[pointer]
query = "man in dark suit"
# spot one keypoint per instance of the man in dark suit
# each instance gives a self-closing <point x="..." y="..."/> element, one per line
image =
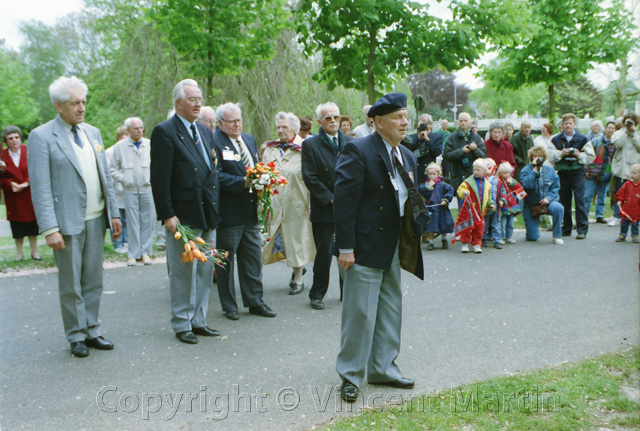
<point x="239" y="233"/>
<point x="185" y="186"/>
<point x="426" y="145"/>
<point x="375" y="207"/>
<point x="319" y="155"/>
<point x="74" y="203"/>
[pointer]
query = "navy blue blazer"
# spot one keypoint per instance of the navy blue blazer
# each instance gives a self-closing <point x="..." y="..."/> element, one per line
<point x="181" y="182"/>
<point x="237" y="206"/>
<point x="366" y="205"/>
<point x="319" y="175"/>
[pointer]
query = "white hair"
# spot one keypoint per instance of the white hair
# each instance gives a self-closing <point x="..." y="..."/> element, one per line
<point x="597" y="123"/>
<point x="206" y="109"/>
<point x="171" y="113"/>
<point x="464" y="114"/>
<point x="365" y="110"/>
<point x="223" y="109"/>
<point x="178" y="90"/>
<point x="496" y="125"/>
<point x="322" y="106"/>
<point x="128" y="121"/>
<point x="480" y="163"/>
<point x="59" y="89"/>
<point x="426" y="117"/>
<point x="291" y="118"/>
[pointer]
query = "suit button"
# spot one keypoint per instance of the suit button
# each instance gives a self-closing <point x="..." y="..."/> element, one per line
<point x="381" y="228"/>
<point x="214" y="187"/>
<point x="381" y="187"/>
<point x="201" y="203"/>
<point x="195" y="169"/>
<point x="326" y="169"/>
<point x="381" y="208"/>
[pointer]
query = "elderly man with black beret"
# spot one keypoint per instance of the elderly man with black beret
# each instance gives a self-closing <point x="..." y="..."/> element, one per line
<point x="377" y="211"/>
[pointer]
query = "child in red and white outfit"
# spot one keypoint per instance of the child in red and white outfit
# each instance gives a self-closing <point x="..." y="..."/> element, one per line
<point x="628" y="198"/>
<point x="511" y="206"/>
<point x="478" y="189"/>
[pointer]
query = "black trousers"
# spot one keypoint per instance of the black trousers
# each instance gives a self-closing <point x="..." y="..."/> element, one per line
<point x="322" y="236"/>
<point x="572" y="185"/>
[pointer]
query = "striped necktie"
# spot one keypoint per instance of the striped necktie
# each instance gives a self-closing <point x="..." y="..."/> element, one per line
<point x="199" y="145"/>
<point x="243" y="155"/>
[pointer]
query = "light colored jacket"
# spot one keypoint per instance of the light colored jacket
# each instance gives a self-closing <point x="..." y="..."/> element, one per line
<point x="130" y="166"/>
<point x="627" y="153"/>
<point x="58" y="189"/>
<point x="290" y="211"/>
<point x="117" y="187"/>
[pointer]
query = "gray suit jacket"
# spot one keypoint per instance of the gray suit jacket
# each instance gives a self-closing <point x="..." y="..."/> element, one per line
<point x="58" y="190"/>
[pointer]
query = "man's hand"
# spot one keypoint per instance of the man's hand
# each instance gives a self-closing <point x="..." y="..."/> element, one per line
<point x="116" y="228"/>
<point x="247" y="183"/>
<point x="473" y="146"/>
<point x="465" y="149"/>
<point x="55" y="241"/>
<point x="423" y="136"/>
<point x="444" y="203"/>
<point x="171" y="223"/>
<point x="346" y="260"/>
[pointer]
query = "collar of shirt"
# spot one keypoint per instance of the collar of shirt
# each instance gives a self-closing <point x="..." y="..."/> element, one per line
<point x="568" y="138"/>
<point x="399" y="153"/>
<point x="187" y="125"/>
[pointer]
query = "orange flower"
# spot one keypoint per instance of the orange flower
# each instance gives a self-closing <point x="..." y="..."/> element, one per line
<point x="200" y="240"/>
<point x="178" y="235"/>
<point x="189" y="256"/>
<point x="187" y="248"/>
<point x="193" y="244"/>
<point x="184" y="257"/>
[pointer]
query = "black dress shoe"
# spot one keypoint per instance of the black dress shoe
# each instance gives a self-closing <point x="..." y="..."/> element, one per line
<point x="100" y="343"/>
<point x="348" y="391"/>
<point x="262" y="310"/>
<point x="232" y="315"/>
<point x="601" y="220"/>
<point x="187" y="337"/>
<point x="295" y="288"/>
<point x="401" y="383"/>
<point x="79" y="349"/>
<point x="317" y="304"/>
<point x="205" y="331"/>
<point x="581" y="236"/>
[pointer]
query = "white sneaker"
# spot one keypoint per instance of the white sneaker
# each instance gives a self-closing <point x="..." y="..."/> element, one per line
<point x="121" y="250"/>
<point x="146" y="260"/>
<point x="477" y="249"/>
<point x="558" y="241"/>
<point x="502" y="242"/>
<point x="465" y="248"/>
<point x="511" y="241"/>
<point x="614" y="222"/>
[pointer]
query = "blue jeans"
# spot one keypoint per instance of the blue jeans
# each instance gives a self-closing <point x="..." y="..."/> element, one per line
<point x="492" y="228"/>
<point x="624" y="228"/>
<point x="532" y="224"/>
<point x="507" y="226"/>
<point x="123" y="237"/>
<point x="598" y="188"/>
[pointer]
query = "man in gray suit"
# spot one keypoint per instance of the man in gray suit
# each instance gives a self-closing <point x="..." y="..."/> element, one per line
<point x="74" y="201"/>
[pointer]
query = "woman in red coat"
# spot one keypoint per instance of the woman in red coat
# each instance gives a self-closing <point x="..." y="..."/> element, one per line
<point x="17" y="194"/>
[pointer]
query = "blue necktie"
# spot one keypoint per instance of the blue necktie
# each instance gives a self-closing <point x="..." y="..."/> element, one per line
<point x="196" y="138"/>
<point x="76" y="137"/>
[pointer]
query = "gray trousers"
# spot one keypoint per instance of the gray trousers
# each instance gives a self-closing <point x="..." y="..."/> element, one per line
<point x="141" y="222"/>
<point x="371" y="324"/>
<point x="80" y="280"/>
<point x="189" y="285"/>
<point x="243" y="242"/>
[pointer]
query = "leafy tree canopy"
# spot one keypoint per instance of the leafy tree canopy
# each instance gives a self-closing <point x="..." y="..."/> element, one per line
<point x="17" y="105"/>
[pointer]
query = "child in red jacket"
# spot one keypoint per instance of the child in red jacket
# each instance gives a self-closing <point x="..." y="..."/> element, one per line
<point x="628" y="198"/>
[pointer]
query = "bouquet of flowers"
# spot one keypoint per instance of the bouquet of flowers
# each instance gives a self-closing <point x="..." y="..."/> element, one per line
<point x="264" y="179"/>
<point x="196" y="248"/>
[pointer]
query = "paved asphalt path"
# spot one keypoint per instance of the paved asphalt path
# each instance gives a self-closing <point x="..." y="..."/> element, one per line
<point x="527" y="306"/>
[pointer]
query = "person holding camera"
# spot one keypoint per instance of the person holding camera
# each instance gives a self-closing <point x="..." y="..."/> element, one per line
<point x="570" y="153"/>
<point x="627" y="142"/>
<point x="542" y="185"/>
<point x="426" y="146"/>
<point x="462" y="148"/>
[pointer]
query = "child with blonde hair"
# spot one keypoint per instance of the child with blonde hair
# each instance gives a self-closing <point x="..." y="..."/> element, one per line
<point x="477" y="190"/>
<point x="492" y="227"/>
<point x="628" y="199"/>
<point x="511" y="207"/>
<point x="438" y="196"/>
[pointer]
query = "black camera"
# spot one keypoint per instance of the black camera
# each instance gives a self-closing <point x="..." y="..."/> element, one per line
<point x="571" y="151"/>
<point x="422" y="127"/>
<point x="538" y="162"/>
<point x="628" y="124"/>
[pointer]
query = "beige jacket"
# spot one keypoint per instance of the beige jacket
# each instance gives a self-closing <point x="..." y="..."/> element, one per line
<point x="130" y="166"/>
<point x="627" y="153"/>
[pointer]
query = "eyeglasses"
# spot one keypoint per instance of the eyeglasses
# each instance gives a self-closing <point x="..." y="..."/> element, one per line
<point x="336" y="118"/>
<point x="233" y="122"/>
<point x="194" y="100"/>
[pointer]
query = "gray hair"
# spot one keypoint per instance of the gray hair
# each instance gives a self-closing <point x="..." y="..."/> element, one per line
<point x="525" y="123"/>
<point x="223" y="109"/>
<point x="10" y="130"/>
<point x="291" y="118"/>
<point x="321" y="107"/>
<point x="59" y="89"/>
<point x="496" y="125"/>
<point x="365" y="110"/>
<point x="178" y="90"/>
<point x="597" y="123"/>
<point x="206" y="109"/>
<point x="466" y="114"/>
<point x="128" y="121"/>
<point x="427" y="118"/>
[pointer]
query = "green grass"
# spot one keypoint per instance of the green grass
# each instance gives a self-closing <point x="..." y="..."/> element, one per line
<point x="582" y="396"/>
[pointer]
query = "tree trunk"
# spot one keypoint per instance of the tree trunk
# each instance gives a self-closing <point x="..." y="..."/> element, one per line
<point x="371" y="83"/>
<point x="552" y="104"/>
<point x="620" y="92"/>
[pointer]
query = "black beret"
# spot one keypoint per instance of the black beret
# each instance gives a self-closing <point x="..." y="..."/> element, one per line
<point x="387" y="104"/>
